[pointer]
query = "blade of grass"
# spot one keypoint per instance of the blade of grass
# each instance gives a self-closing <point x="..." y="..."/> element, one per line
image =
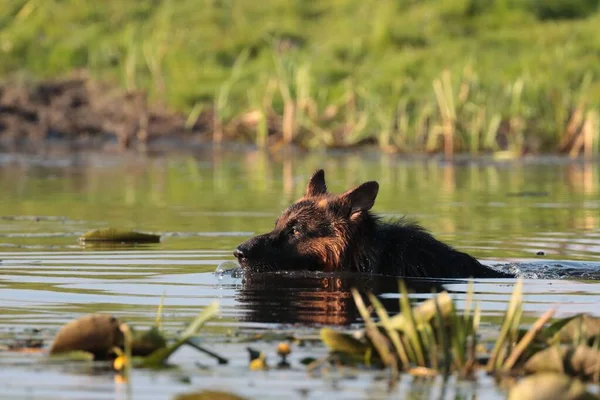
<point x="443" y="339"/>
<point x="392" y="333"/>
<point x="411" y="329"/>
<point x="159" y="311"/>
<point x="378" y="340"/>
<point x="527" y="339"/>
<point x="512" y="308"/>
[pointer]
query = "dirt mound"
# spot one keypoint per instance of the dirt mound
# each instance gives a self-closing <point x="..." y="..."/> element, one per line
<point x="83" y="113"/>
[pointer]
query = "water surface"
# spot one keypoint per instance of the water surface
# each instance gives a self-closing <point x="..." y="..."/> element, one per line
<point x="539" y="218"/>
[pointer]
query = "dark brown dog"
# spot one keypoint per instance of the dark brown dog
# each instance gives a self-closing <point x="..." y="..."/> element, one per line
<point x="327" y="232"/>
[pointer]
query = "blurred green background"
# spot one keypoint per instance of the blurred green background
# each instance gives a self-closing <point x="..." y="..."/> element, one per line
<point x="454" y="76"/>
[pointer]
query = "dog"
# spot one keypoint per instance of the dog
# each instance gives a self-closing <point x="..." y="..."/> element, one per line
<point x="338" y="232"/>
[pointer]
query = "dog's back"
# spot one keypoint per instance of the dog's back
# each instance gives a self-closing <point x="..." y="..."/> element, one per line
<point x="406" y="249"/>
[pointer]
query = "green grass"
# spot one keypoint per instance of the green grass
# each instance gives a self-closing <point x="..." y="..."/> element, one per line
<point x="458" y="75"/>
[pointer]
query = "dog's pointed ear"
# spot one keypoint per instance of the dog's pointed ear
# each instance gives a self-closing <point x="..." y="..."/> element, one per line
<point x="316" y="185"/>
<point x="362" y="197"/>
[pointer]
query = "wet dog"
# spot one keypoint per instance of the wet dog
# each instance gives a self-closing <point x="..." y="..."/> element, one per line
<point x="338" y="232"/>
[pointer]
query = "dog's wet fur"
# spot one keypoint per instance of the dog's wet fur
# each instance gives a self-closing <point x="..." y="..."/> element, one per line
<point x="328" y="232"/>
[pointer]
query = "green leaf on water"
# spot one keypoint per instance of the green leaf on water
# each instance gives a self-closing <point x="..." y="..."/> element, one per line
<point x="160" y="356"/>
<point x="119" y="236"/>
<point x="343" y="342"/>
<point x="146" y="342"/>
<point x="209" y="395"/>
<point x="75" y="355"/>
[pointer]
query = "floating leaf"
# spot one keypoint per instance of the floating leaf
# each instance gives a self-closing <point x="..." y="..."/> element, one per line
<point x="209" y="395"/>
<point x="93" y="333"/>
<point x="550" y="386"/>
<point x="307" y="360"/>
<point x="343" y="342"/>
<point x="145" y="343"/>
<point x="581" y="361"/>
<point x="119" y="236"/>
<point x="159" y="357"/>
<point x="76" y="355"/>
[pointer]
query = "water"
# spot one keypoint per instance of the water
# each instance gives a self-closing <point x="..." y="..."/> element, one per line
<point x="502" y="213"/>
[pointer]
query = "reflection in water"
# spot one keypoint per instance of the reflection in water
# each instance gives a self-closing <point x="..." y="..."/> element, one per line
<point x="316" y="298"/>
<point x="205" y="205"/>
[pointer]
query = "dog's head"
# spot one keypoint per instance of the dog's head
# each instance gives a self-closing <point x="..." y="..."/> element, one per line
<point x="314" y="233"/>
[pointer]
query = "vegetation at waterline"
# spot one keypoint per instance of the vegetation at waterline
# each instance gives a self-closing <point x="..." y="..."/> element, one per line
<point x="427" y="340"/>
<point x="460" y="75"/>
<point x="434" y="339"/>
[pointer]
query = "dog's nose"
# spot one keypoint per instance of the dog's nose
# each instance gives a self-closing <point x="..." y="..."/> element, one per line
<point x="238" y="253"/>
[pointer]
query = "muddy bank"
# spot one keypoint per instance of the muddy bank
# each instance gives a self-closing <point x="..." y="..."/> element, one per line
<point x="79" y="113"/>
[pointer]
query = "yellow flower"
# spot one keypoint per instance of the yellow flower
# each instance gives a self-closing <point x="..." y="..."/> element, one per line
<point x="283" y="349"/>
<point x="258" y="364"/>
<point x="120" y="363"/>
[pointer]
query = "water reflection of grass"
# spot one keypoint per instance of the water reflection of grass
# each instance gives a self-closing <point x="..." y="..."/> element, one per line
<point x="410" y="76"/>
<point x="477" y="204"/>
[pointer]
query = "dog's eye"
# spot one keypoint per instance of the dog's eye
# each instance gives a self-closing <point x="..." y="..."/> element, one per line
<point x="295" y="230"/>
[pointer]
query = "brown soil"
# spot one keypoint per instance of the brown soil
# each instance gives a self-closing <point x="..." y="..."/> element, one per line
<point x="83" y="114"/>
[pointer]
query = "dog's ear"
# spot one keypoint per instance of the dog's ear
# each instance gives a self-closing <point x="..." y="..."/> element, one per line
<point x="362" y="197"/>
<point x="316" y="185"/>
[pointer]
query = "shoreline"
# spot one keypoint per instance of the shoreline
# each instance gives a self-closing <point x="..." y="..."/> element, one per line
<point x="78" y="114"/>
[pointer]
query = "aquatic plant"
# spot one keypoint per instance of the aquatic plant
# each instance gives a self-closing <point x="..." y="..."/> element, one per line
<point x="433" y="338"/>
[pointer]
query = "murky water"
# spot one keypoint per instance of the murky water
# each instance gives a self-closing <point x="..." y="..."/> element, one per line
<point x="502" y="213"/>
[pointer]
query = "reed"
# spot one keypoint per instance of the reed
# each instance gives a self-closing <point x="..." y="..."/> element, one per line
<point x="336" y="78"/>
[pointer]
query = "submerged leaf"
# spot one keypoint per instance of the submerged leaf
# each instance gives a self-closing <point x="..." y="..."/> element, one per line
<point x="550" y="386"/>
<point x="343" y="342"/>
<point x="118" y="235"/>
<point x="581" y="361"/>
<point x="93" y="333"/>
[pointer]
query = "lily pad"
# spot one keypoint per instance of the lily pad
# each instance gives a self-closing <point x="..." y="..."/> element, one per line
<point x="550" y="386"/>
<point x="581" y="361"/>
<point x="112" y="235"/>
<point x="93" y="333"/>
